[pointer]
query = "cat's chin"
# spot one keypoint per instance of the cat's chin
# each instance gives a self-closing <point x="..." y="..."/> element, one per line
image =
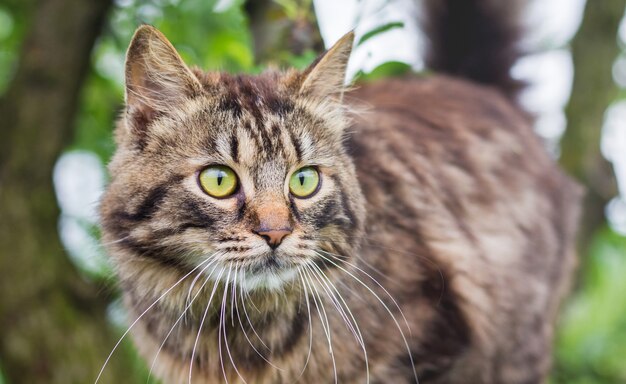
<point x="267" y="274"/>
<point x="268" y="279"/>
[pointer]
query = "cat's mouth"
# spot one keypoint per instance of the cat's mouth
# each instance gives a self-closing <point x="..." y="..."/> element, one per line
<point x="269" y="263"/>
<point x="273" y="262"/>
<point x="270" y="271"/>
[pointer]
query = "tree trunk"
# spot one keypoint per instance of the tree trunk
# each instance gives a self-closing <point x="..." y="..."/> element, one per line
<point x="594" y="50"/>
<point x="53" y="326"/>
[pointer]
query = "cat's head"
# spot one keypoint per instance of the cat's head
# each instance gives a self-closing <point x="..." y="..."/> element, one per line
<point x="248" y="172"/>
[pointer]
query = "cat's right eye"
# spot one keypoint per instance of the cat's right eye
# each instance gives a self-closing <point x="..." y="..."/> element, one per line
<point x="218" y="181"/>
<point x="304" y="182"/>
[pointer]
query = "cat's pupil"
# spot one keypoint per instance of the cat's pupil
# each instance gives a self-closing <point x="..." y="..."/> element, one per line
<point x="301" y="177"/>
<point x="220" y="177"/>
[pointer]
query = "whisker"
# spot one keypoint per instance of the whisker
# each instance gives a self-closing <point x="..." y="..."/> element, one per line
<point x="393" y="300"/>
<point x="406" y="343"/>
<point x="307" y="270"/>
<point x="234" y="293"/>
<point x="195" y="344"/>
<point x="308" y="307"/>
<point x="356" y="332"/>
<point x="253" y="305"/>
<point x="334" y="302"/>
<point x="373" y="244"/>
<point x="427" y="259"/>
<point x="189" y="304"/>
<point x="219" y="333"/>
<point x="104" y="244"/>
<point x="223" y="322"/>
<point x="246" y="333"/>
<point x="142" y="314"/>
<point x="245" y="311"/>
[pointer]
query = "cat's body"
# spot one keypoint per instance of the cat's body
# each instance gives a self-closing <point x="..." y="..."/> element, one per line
<point x="440" y="222"/>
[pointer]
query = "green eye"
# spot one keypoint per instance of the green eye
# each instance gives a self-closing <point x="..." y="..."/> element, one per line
<point x="304" y="182"/>
<point x="218" y="181"/>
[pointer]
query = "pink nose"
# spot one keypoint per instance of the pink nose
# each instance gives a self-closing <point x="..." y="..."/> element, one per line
<point x="273" y="236"/>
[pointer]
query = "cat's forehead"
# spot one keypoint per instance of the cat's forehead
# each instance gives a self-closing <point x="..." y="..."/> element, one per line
<point x="256" y="120"/>
<point x="267" y="93"/>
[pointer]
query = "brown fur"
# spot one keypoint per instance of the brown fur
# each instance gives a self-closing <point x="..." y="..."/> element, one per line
<point x="437" y="190"/>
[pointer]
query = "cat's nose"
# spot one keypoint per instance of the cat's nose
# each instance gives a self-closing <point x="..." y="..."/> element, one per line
<point x="274" y="236"/>
<point x="273" y="220"/>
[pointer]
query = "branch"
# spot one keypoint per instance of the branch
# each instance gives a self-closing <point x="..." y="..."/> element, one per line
<point x="594" y="49"/>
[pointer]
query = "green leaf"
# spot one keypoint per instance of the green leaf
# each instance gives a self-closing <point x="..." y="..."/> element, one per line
<point x="379" y="30"/>
<point x="388" y="69"/>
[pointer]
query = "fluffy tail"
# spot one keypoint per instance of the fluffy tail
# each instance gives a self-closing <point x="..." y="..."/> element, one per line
<point x="474" y="39"/>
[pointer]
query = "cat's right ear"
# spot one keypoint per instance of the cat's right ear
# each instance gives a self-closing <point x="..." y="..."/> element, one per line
<point x="157" y="79"/>
<point x="325" y="77"/>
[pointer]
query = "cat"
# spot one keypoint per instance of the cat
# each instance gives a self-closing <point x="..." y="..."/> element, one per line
<point x="276" y="228"/>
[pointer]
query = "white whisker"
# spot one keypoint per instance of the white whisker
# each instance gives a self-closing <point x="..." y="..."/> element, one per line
<point x="356" y="331"/>
<point x="142" y="314"/>
<point x="189" y="304"/>
<point x="245" y="311"/>
<point x="308" y="307"/>
<point x="223" y="322"/>
<point x="219" y="333"/>
<point x="195" y="344"/>
<point x="307" y="270"/>
<point x="241" y="298"/>
<point x="393" y="300"/>
<point x="406" y="343"/>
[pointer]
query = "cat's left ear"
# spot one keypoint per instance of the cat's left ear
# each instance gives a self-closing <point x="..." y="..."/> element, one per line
<point x="325" y="77"/>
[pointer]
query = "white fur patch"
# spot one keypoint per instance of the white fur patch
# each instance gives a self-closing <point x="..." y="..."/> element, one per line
<point x="270" y="280"/>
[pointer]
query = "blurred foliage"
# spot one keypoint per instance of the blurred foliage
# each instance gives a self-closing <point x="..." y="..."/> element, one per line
<point x="591" y="340"/>
<point x="378" y="30"/>
<point x="10" y="38"/>
<point x="388" y="69"/>
<point x="205" y="38"/>
<point x="205" y="34"/>
<point x="296" y="9"/>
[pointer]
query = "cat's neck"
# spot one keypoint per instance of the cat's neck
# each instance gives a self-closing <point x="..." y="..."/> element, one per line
<point x="258" y="325"/>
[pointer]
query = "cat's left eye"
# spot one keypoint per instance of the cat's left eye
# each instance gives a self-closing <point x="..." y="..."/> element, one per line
<point x="218" y="181"/>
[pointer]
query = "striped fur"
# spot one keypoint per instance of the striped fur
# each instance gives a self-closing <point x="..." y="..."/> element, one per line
<point x="440" y="223"/>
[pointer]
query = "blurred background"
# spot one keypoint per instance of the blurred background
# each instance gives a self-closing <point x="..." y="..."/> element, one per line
<point x="61" y="89"/>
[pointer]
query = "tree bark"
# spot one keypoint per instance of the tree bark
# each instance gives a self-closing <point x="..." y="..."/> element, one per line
<point x="594" y="50"/>
<point x="53" y="326"/>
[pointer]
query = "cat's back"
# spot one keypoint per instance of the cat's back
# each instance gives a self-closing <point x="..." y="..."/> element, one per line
<point x="437" y="111"/>
<point x="459" y="189"/>
<point x="465" y="141"/>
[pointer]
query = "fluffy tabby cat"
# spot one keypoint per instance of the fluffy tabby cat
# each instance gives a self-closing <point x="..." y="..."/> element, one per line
<point x="263" y="232"/>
